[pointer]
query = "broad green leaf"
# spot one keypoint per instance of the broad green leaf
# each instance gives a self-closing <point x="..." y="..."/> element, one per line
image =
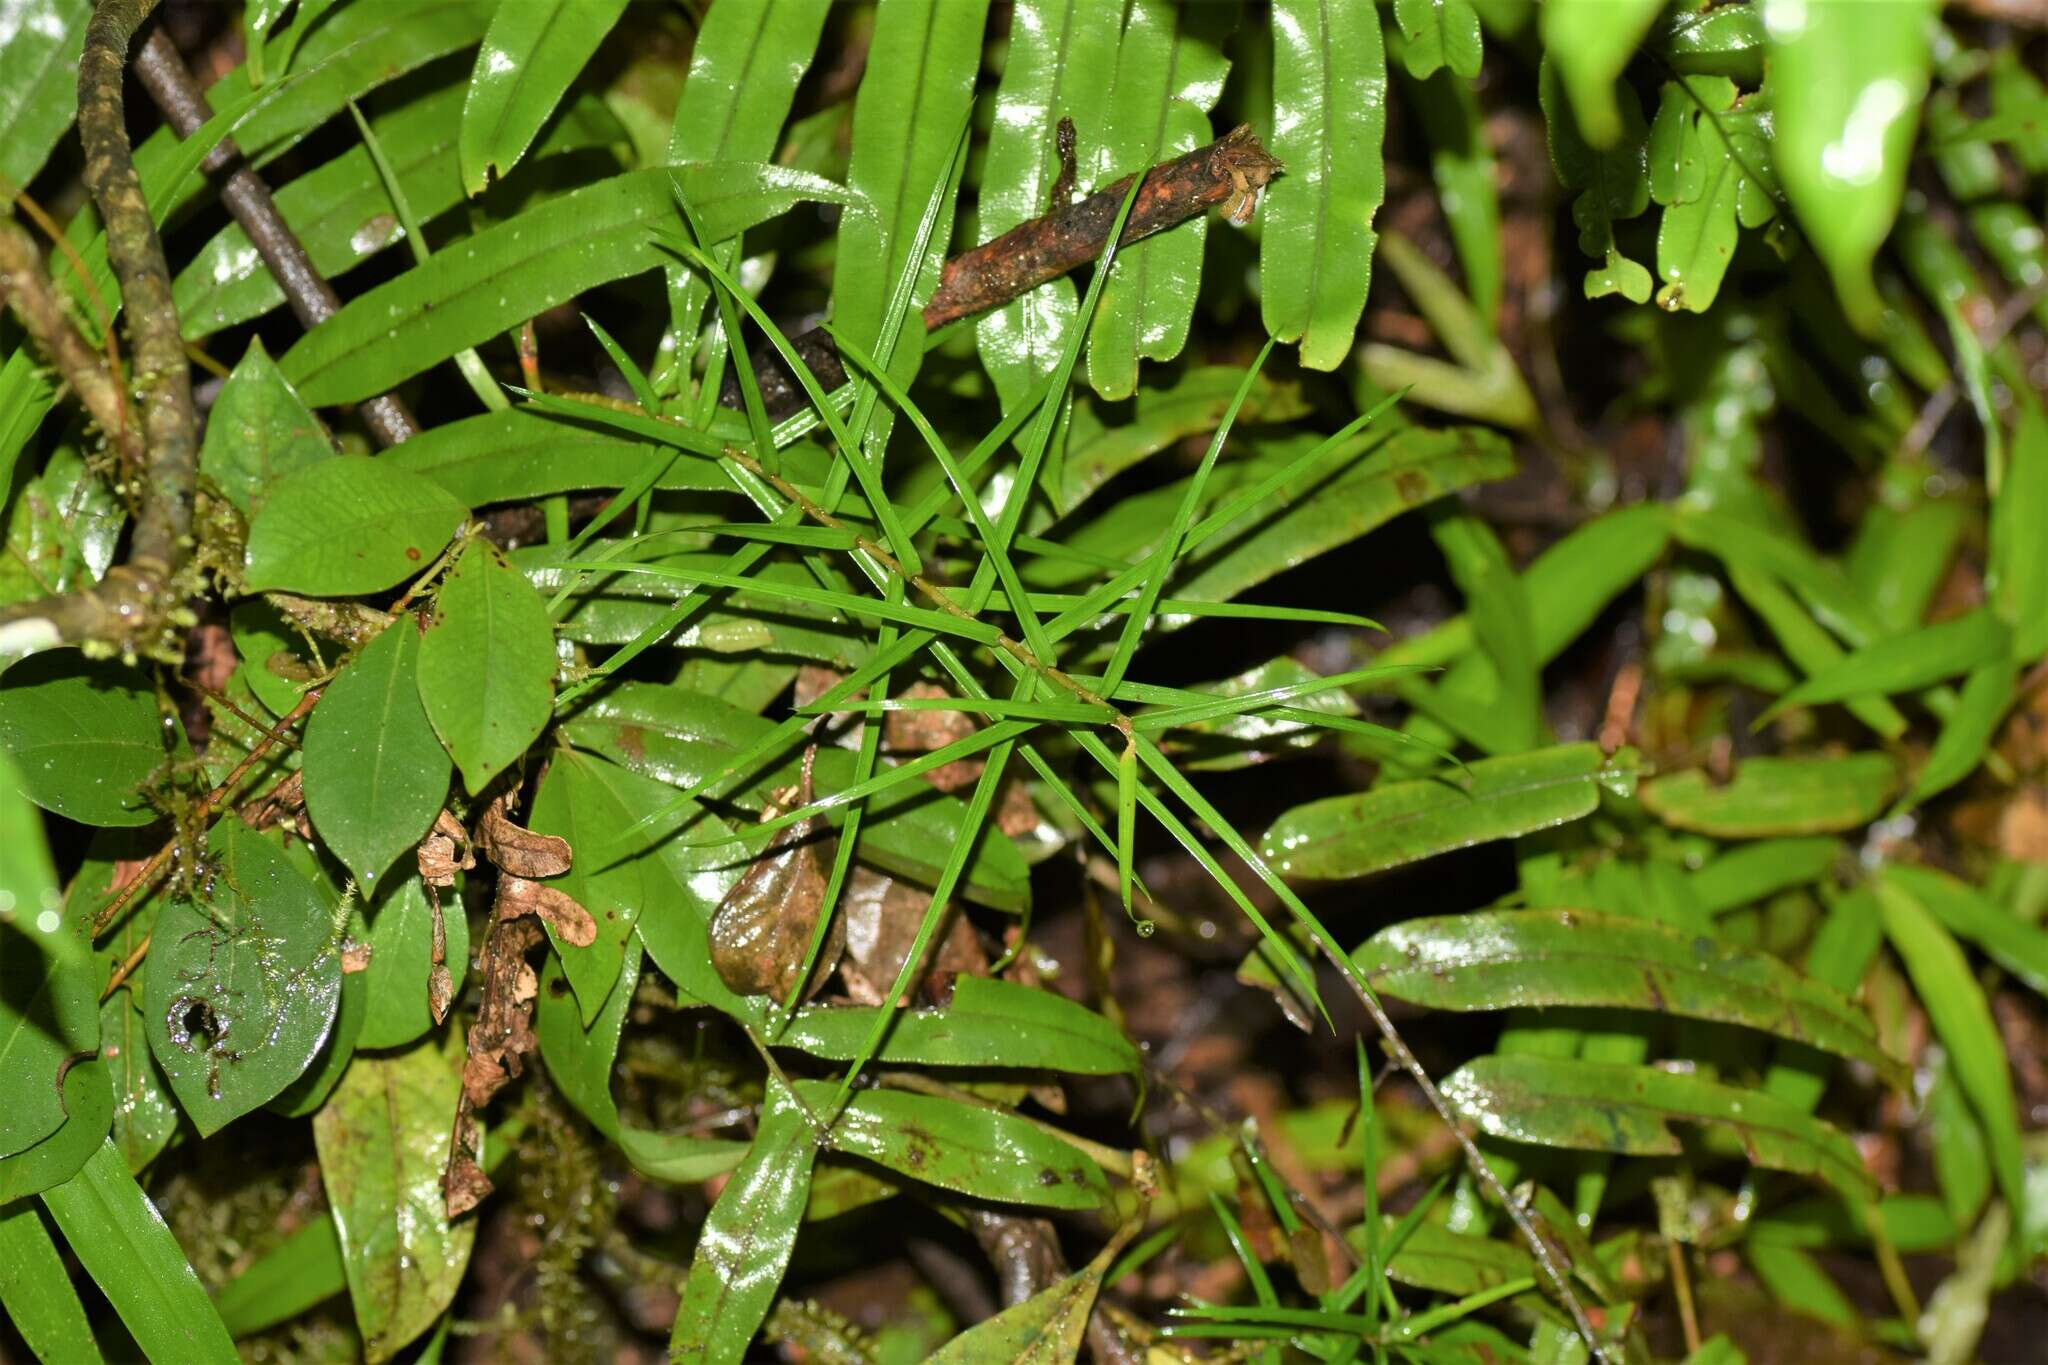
<point x="88" y="1117"/>
<point x="1330" y="117"/>
<point x="349" y="525"/>
<point x="375" y="775"/>
<point x="1770" y="796"/>
<point x="474" y="289"/>
<point x="258" y="431"/>
<point x="36" y="1291"/>
<point x="587" y="801"/>
<point x="1847" y="82"/>
<point x="530" y="54"/>
<point x="1612" y="1107"/>
<point x="1445" y="1262"/>
<point x="1906" y="662"/>
<point x="39" y="46"/>
<point x="383" y="1142"/>
<point x="746" y="1240"/>
<point x="1405" y="822"/>
<point x="1104" y="439"/>
<point x="1440" y="33"/>
<point x="1613" y="182"/>
<point x="745" y="66"/>
<point x="1727" y="40"/>
<point x="1696" y="237"/>
<point x="145" y="1114"/>
<point x="2018" y="572"/>
<point x="1045" y="1329"/>
<point x="1511" y="958"/>
<point x="684" y="738"/>
<point x="84" y="736"/>
<point x="341" y="212"/>
<point x="1961" y="1017"/>
<point x="1590" y="41"/>
<point x="306" y="1094"/>
<point x="1170" y="65"/>
<point x="121" y="1240"/>
<point x="1062" y="60"/>
<point x="396" y="1006"/>
<point x="987" y="1153"/>
<point x="243" y="981"/>
<point x="47" y="1012"/>
<point x="270" y="648"/>
<point x="487" y="664"/>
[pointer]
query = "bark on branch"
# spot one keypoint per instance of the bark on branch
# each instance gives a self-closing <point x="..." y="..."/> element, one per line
<point x="25" y="287"/>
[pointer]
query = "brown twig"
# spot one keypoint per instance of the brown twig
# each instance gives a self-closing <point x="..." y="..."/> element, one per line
<point x="158" y="860"/>
<point x="170" y="84"/>
<point x="25" y="287"/>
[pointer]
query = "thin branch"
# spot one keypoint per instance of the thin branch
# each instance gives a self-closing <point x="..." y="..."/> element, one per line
<point x="25" y="287"/>
<point x="169" y="82"/>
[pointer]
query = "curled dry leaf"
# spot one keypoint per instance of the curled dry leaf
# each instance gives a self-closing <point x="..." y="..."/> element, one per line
<point x="437" y="854"/>
<point x="762" y="930"/>
<point x="518" y="897"/>
<point x="520" y="851"/>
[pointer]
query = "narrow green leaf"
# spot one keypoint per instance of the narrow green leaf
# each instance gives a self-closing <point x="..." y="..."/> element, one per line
<point x="530" y="54"/>
<point x="1962" y="1020"/>
<point x="375" y="775"/>
<point x="987" y="1023"/>
<point x="1104" y="439"/>
<point x="487" y="664"/>
<point x="122" y="1241"/>
<point x="243" y="984"/>
<point x="984" y="1152"/>
<point x="84" y="737"/>
<point x="383" y="1139"/>
<point x="39" y="45"/>
<point x="747" y="1238"/>
<point x="349" y="525"/>
<point x="36" y="1290"/>
<point x="1846" y="84"/>
<point x="1510" y="958"/>
<point x="2018" y="570"/>
<point x="1061" y="65"/>
<point x="1170" y="66"/>
<point x="1404" y="822"/>
<point x="301" y="1272"/>
<point x="490" y="281"/>
<point x="1770" y="796"/>
<point x="1749" y="873"/>
<point x="1905" y="663"/>
<point x="1330" y="113"/>
<point x="1611" y="1107"/>
<point x="1591" y="41"/>
<point x="2013" y="943"/>
<point x="259" y="431"/>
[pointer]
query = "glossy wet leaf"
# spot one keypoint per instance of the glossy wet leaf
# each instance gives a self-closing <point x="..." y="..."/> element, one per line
<point x="342" y="213"/>
<point x="1962" y="1020"/>
<point x="1511" y="958"/>
<point x="1062" y="62"/>
<point x="1045" y="1329"/>
<point x="258" y="431"/>
<point x="243" y="983"/>
<point x="684" y="738"/>
<point x="396" y="983"/>
<point x="1330" y="115"/>
<point x="375" y="775"/>
<point x="383" y="1142"/>
<point x="39" y="46"/>
<point x="36" y="1291"/>
<point x="1440" y="33"/>
<point x="530" y="54"/>
<point x="349" y="525"/>
<point x="123" y="1243"/>
<point x="88" y="1117"/>
<point x="1847" y="84"/>
<point x="586" y="800"/>
<point x="1769" y="796"/>
<point x="1404" y="822"/>
<point x="987" y="1023"/>
<point x="145" y="1113"/>
<point x="490" y="281"/>
<point x="487" y="664"/>
<point x="747" y="1238"/>
<point x="1170" y="65"/>
<point x="47" y="993"/>
<point x="1613" y="1107"/>
<point x="84" y="736"/>
<point x="987" y="1153"/>
<point x="1696" y="236"/>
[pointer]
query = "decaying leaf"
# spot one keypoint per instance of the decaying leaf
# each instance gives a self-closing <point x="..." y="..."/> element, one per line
<point x="882" y="916"/>
<point x="762" y="930"/>
<point x="519" y="851"/>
